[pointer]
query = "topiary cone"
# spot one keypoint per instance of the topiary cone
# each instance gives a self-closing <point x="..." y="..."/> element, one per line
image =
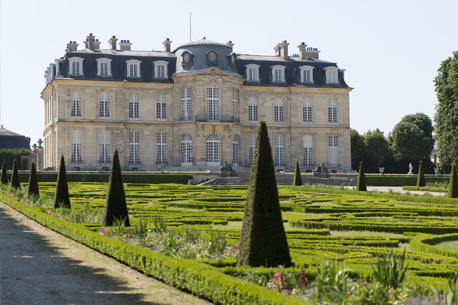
<point x="115" y="206"/>
<point x="62" y="198"/>
<point x="263" y="239"/>
<point x="453" y="185"/>
<point x="421" y="176"/>
<point x="297" y="175"/>
<point x="33" y="182"/>
<point x="361" y="184"/>
<point x="15" y="178"/>
<point x="4" y="178"/>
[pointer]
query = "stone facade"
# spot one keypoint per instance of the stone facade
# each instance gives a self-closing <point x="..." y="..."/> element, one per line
<point x="193" y="108"/>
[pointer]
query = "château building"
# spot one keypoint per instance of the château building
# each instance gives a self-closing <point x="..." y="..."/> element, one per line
<point x="193" y="107"/>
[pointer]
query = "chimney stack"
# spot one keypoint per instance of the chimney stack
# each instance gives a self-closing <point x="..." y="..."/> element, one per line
<point x="302" y="52"/>
<point x="112" y="42"/>
<point x="72" y="46"/>
<point x="167" y="43"/>
<point x="125" y="45"/>
<point x="90" y="39"/>
<point x="284" y="49"/>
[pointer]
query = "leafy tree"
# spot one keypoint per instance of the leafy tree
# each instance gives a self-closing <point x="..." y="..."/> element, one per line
<point x="62" y="197"/>
<point x="15" y="177"/>
<point x="358" y="149"/>
<point x="446" y="116"/>
<point x="263" y="238"/>
<point x="297" y="175"/>
<point x="33" y="182"/>
<point x="421" y="176"/>
<point x="412" y="137"/>
<point x="377" y="150"/>
<point x="361" y="184"/>
<point x="4" y="178"/>
<point x="453" y="185"/>
<point x="115" y="205"/>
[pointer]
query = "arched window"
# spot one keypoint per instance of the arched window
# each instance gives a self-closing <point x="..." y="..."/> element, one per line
<point x="235" y="150"/>
<point x="186" y="150"/>
<point x="213" y="150"/>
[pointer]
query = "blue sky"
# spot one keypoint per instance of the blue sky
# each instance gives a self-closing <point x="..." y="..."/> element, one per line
<point x="391" y="50"/>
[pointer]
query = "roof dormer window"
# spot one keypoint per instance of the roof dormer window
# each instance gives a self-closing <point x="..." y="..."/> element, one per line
<point x="212" y="58"/>
<point x="133" y="68"/>
<point x="103" y="67"/>
<point x="75" y="66"/>
<point x="278" y="74"/>
<point x="331" y="75"/>
<point x="306" y="74"/>
<point x="252" y="73"/>
<point x="160" y="69"/>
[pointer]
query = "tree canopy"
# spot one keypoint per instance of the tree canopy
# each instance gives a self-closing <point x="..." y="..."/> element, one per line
<point x="446" y="116"/>
<point x="413" y="138"/>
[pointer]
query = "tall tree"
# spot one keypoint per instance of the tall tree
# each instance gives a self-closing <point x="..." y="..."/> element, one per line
<point x="446" y="116"/>
<point x="297" y="175"/>
<point x="33" y="182"/>
<point x="15" y="177"/>
<point x="413" y="138"/>
<point x="62" y="197"/>
<point x="4" y="178"/>
<point x="358" y="149"/>
<point x="263" y="238"/>
<point x="115" y="205"/>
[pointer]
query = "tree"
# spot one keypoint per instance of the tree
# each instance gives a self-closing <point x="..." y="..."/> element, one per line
<point x="361" y="184"/>
<point x="413" y="138"/>
<point x="115" y="205"/>
<point x="446" y="116"/>
<point x="62" y="197"/>
<point x="453" y="185"/>
<point x="4" y="178"/>
<point x="421" y="176"/>
<point x="15" y="177"/>
<point x="377" y="150"/>
<point x="297" y="175"/>
<point x="358" y="149"/>
<point x="263" y="239"/>
<point x="33" y="182"/>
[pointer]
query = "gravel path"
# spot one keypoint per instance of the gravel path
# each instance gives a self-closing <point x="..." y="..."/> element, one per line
<point x="40" y="266"/>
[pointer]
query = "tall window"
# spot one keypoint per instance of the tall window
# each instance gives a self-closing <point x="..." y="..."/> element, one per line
<point x="104" y="147"/>
<point x="332" y="111"/>
<point x="308" y="150"/>
<point x="331" y="75"/>
<point x="104" y="104"/>
<point x="75" y="66"/>
<point x="278" y="74"/>
<point x="333" y="151"/>
<point x="280" y="150"/>
<point x="251" y="146"/>
<point x="185" y="104"/>
<point x="160" y="69"/>
<point x="213" y="150"/>
<point x="212" y="104"/>
<point x="161" y="140"/>
<point x="235" y="150"/>
<point x="278" y="110"/>
<point x="252" y="109"/>
<point x="307" y="110"/>
<point x="134" y="105"/>
<point x="104" y="67"/>
<point x="252" y="73"/>
<point x="133" y="68"/>
<point x="134" y="147"/>
<point x="306" y="74"/>
<point x="76" y="140"/>
<point x="186" y="150"/>
<point x="161" y="107"/>
<point x="235" y="104"/>
<point x="76" y="104"/>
